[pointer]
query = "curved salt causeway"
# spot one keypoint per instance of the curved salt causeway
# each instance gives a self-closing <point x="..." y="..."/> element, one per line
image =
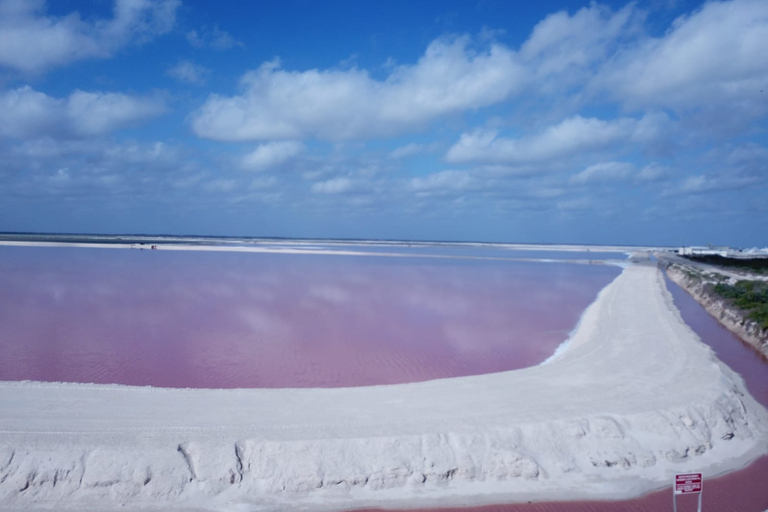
<point x="635" y="398"/>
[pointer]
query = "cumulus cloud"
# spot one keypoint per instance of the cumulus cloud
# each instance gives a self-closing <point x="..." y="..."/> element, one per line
<point x="709" y="58"/>
<point x="652" y="172"/>
<point x="31" y="41"/>
<point x="703" y="183"/>
<point x="217" y="39"/>
<point x="714" y="56"/>
<point x="88" y="168"/>
<point x="744" y="166"/>
<point x="573" y="135"/>
<point x="407" y="151"/>
<point x="443" y="180"/>
<point x="271" y="154"/>
<point x="30" y="113"/>
<point x="565" y="81"/>
<point x="748" y="158"/>
<point x="567" y="47"/>
<point x="189" y="72"/>
<point x="275" y="103"/>
<point x="603" y="172"/>
<point x="338" y="185"/>
<point x="126" y="175"/>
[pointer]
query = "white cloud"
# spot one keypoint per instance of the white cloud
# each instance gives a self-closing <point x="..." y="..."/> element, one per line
<point x="652" y="172"/>
<point x="217" y="39"/>
<point x="407" y="151"/>
<point x="703" y="183"/>
<point x="744" y="166"/>
<point x="347" y="104"/>
<point x="93" y="169"/>
<point x="222" y="40"/>
<point x="190" y="72"/>
<point x="49" y="150"/>
<point x="194" y="39"/>
<point x="98" y="113"/>
<point x="592" y="55"/>
<point x="338" y="185"/>
<point x="566" y="47"/>
<point x="271" y="154"/>
<point x="572" y="135"/>
<point x="443" y="180"/>
<point x="654" y="127"/>
<point x="748" y="158"/>
<point x="713" y="57"/>
<point x="31" y="41"/>
<point x="604" y="172"/>
<point x="733" y="173"/>
<point x="30" y="113"/>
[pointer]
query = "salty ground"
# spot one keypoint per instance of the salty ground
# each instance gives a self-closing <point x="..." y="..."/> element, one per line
<point x="635" y="398"/>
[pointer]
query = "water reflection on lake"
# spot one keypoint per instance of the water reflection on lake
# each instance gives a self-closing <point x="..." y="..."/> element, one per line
<point x="224" y="320"/>
<point x="738" y="491"/>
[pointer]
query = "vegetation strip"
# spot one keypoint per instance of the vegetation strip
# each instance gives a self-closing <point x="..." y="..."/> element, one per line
<point x="741" y="305"/>
<point x="750" y="296"/>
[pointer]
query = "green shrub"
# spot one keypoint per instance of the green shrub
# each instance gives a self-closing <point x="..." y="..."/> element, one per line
<point x="750" y="296"/>
<point x="758" y="265"/>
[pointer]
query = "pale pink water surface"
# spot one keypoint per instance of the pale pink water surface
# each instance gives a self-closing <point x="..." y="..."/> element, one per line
<point x="740" y="491"/>
<point x="227" y="320"/>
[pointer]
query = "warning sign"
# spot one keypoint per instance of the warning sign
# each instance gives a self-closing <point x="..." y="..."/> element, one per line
<point x="688" y="483"/>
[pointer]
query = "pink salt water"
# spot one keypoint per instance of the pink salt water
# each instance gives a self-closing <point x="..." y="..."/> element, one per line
<point x="228" y="320"/>
<point x="740" y="491"/>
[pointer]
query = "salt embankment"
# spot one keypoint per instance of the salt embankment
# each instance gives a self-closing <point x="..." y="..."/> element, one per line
<point x="635" y="398"/>
<point x="701" y="288"/>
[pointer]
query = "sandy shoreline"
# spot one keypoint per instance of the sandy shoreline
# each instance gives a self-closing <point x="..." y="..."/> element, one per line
<point x="322" y="249"/>
<point x="220" y="243"/>
<point x="635" y="398"/>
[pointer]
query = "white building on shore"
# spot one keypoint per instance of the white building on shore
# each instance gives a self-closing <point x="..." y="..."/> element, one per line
<point x="725" y="252"/>
<point x="705" y="251"/>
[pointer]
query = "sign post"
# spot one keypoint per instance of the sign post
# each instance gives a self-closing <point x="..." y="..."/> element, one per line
<point x="687" y="483"/>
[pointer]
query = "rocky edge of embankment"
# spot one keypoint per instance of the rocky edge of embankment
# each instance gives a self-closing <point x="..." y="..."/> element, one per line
<point x="700" y="284"/>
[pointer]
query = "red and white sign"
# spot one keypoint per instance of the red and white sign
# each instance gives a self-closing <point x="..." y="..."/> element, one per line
<point x="688" y="483"/>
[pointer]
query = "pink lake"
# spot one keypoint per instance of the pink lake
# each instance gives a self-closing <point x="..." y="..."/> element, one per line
<point x="228" y="320"/>
<point x="740" y="491"/>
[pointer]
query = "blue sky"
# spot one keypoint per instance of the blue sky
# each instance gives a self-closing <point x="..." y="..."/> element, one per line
<point x="552" y="122"/>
